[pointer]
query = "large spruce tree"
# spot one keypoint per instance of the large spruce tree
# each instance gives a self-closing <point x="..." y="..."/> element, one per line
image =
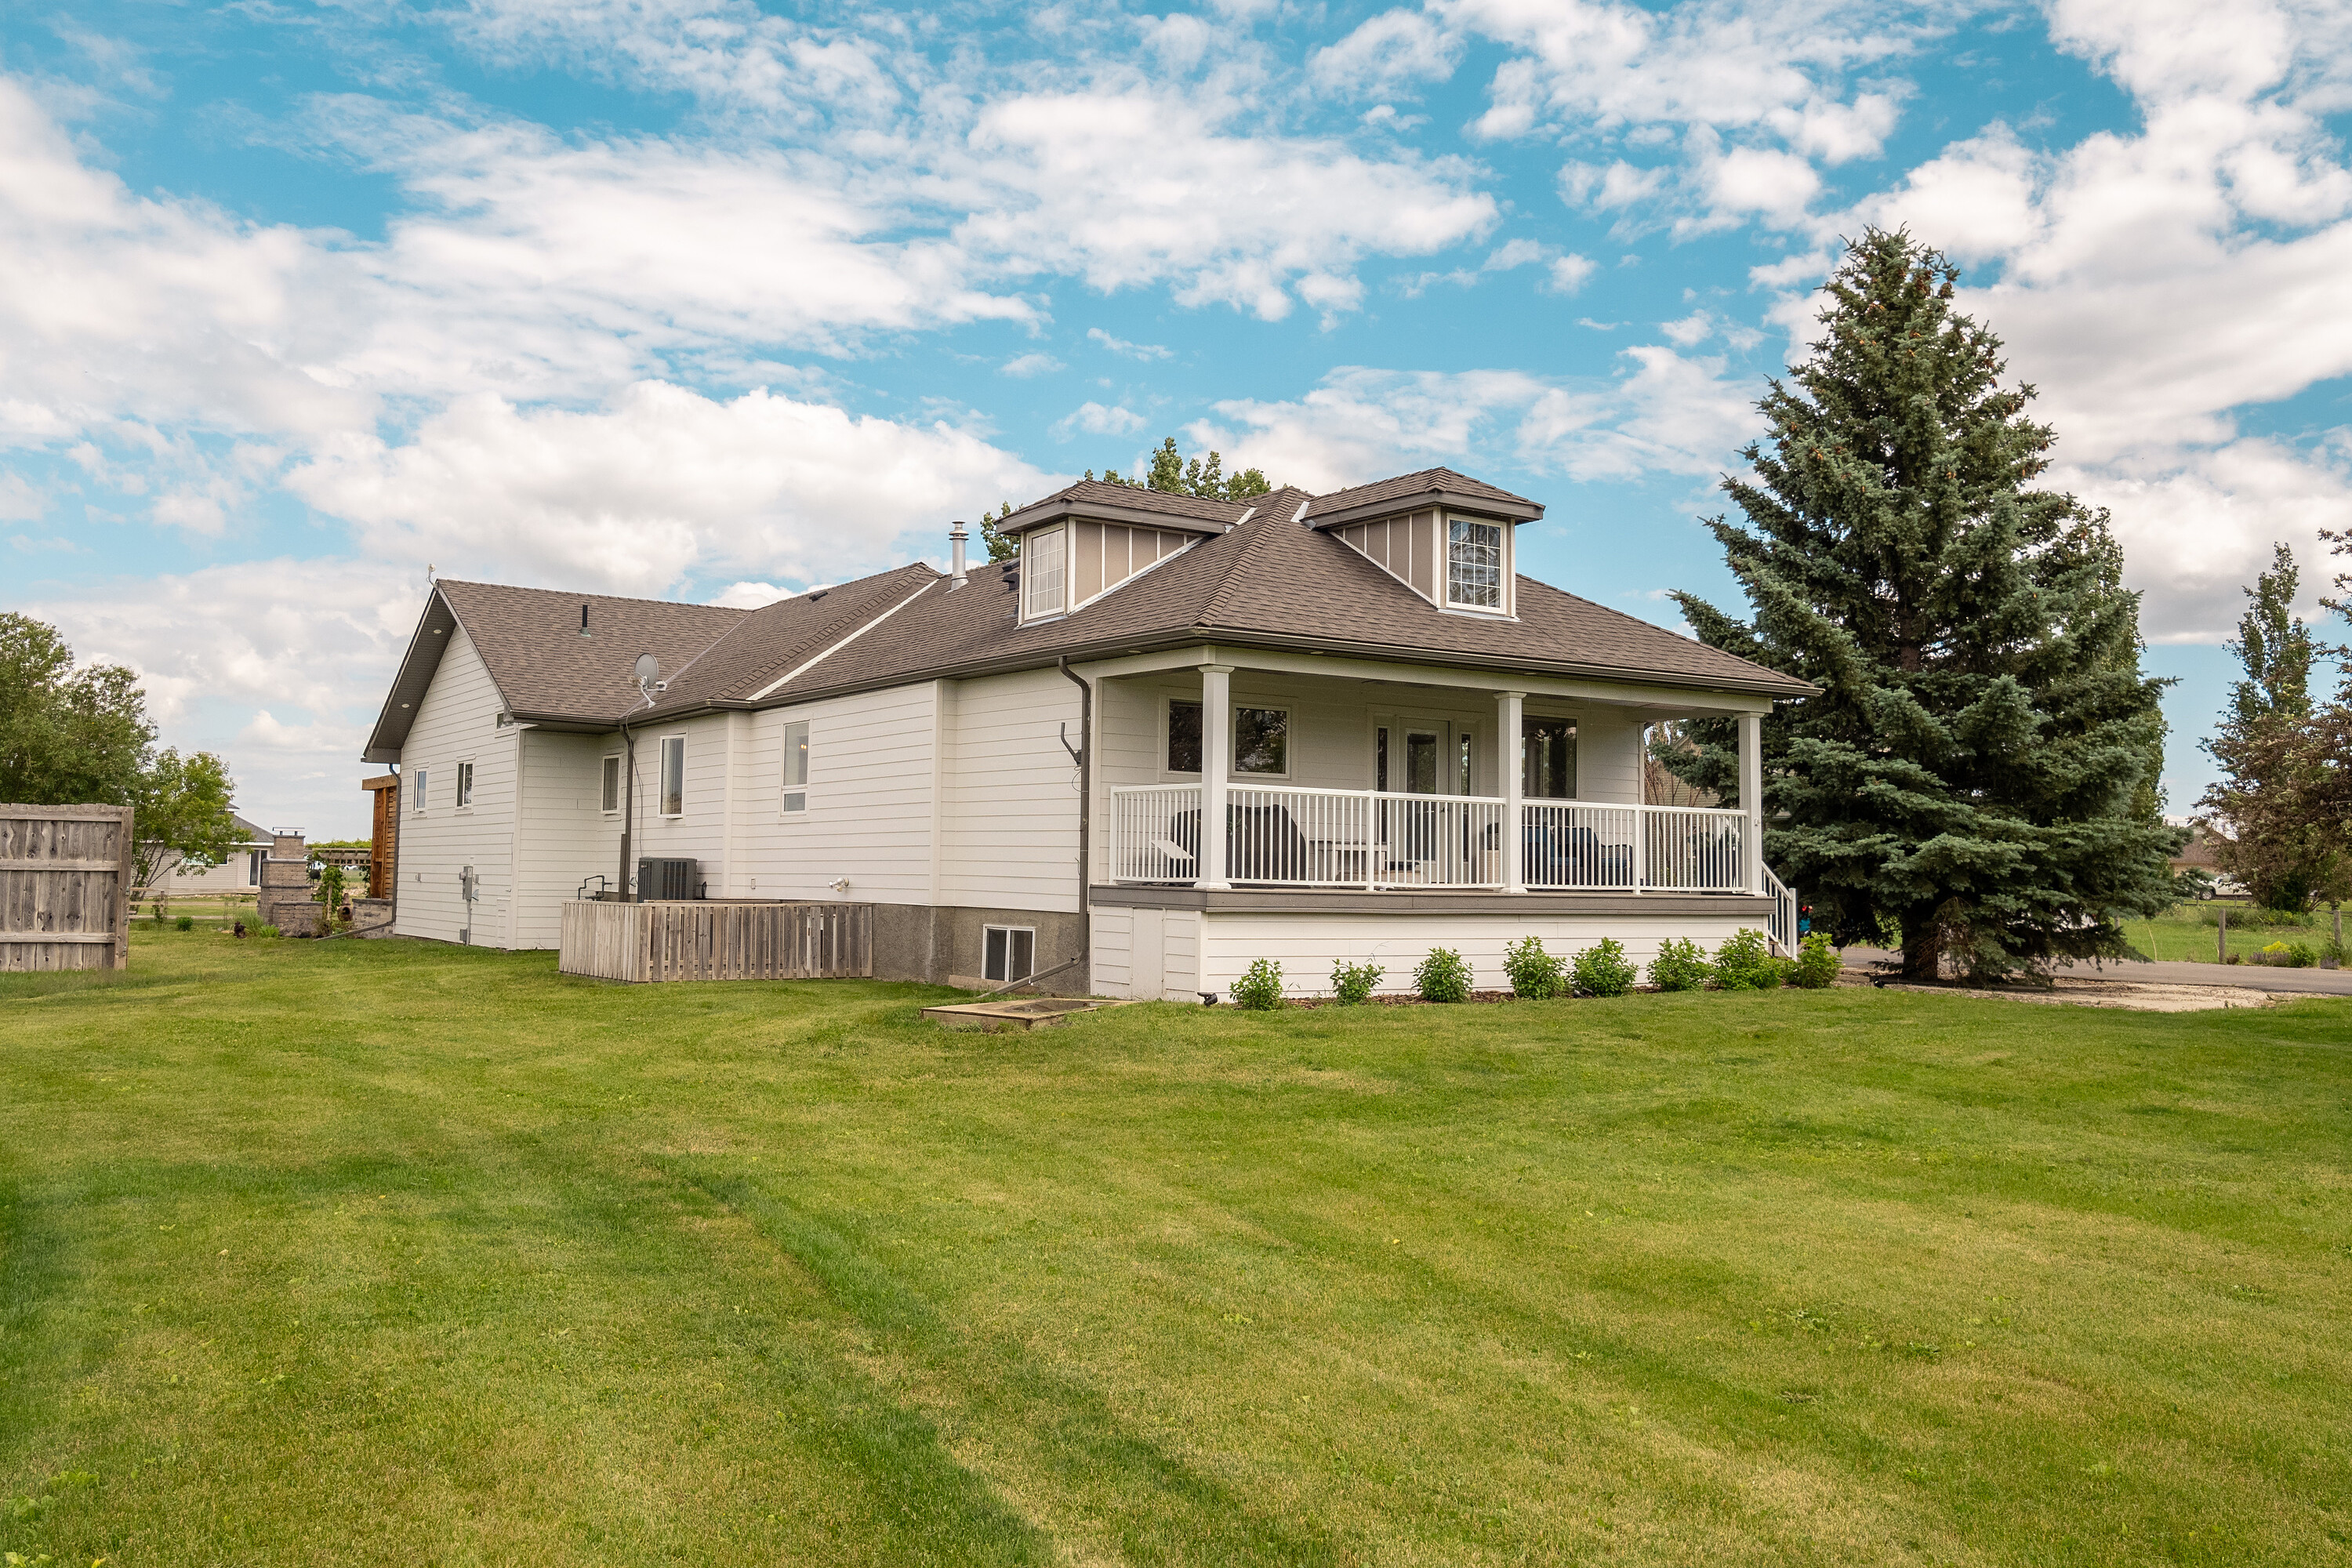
<point x="1971" y="776"/>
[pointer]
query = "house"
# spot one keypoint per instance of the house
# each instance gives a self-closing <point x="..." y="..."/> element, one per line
<point x="238" y="872"/>
<point x="1172" y="736"/>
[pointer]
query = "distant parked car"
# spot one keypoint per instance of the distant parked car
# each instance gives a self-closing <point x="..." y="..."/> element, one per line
<point x="2222" y="887"/>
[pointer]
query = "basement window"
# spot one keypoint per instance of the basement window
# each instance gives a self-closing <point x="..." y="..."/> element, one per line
<point x="608" y="798"/>
<point x="1010" y="953"/>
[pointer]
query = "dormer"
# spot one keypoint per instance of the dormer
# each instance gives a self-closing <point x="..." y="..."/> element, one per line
<point x="1449" y="538"/>
<point x="1085" y="541"/>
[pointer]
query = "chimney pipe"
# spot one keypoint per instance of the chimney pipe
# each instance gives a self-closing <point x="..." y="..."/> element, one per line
<point x="956" y="536"/>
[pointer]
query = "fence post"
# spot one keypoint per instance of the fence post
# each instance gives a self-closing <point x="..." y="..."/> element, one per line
<point x="2222" y="935"/>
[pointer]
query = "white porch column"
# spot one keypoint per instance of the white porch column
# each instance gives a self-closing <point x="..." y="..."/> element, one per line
<point x="1216" y="764"/>
<point x="1751" y="795"/>
<point x="1509" y="708"/>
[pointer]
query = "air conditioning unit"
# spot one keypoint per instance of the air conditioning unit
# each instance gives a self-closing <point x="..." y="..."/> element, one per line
<point x="667" y="880"/>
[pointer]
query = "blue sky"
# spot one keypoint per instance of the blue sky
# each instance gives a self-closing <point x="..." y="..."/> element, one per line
<point x="707" y="298"/>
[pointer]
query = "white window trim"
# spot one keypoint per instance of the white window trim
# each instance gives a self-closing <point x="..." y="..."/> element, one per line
<point x="1502" y="609"/>
<point x="784" y="789"/>
<point x="1007" y="979"/>
<point x="1029" y="617"/>
<point x="661" y="779"/>
<point x="1233" y="738"/>
<point x="620" y="792"/>
<point x="424" y="791"/>
<point x="461" y="786"/>
<point x="1167" y="699"/>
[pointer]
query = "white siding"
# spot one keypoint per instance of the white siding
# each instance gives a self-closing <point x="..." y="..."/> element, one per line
<point x="1307" y="945"/>
<point x="565" y="837"/>
<point x="456" y="722"/>
<point x="869" y="801"/>
<point x="1609" y="755"/>
<point x="1011" y="821"/>
<point x="700" y="831"/>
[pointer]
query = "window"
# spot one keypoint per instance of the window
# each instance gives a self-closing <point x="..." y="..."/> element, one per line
<point x="796" y="766"/>
<point x="1261" y="741"/>
<point x="1462" y="744"/>
<point x="1183" y="737"/>
<point x="1041" y="573"/>
<point x="609" y="798"/>
<point x="1547" y="759"/>
<point x="465" y="786"/>
<point x="253" y="869"/>
<point x="1010" y="954"/>
<point x="1474" y="563"/>
<point x="673" y="775"/>
<point x="423" y="776"/>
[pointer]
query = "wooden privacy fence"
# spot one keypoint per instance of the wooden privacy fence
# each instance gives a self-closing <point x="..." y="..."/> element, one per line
<point x="65" y="887"/>
<point x="707" y="940"/>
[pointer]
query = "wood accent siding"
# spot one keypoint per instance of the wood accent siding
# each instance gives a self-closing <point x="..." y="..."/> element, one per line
<point x="1105" y="554"/>
<point x="65" y="887"/>
<point x="1407" y="548"/>
<point x="713" y="941"/>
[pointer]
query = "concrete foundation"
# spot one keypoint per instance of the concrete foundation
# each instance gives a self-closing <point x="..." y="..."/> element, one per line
<point x="947" y="946"/>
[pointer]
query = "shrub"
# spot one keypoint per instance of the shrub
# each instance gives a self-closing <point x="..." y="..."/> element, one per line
<point x="1443" y="976"/>
<point x="1260" y="989"/>
<point x="185" y="923"/>
<point x="1816" y="968"/>
<point x="1681" y="965"/>
<point x="1351" y="983"/>
<point x="2290" y="955"/>
<point x="1745" y="964"/>
<point x="265" y="931"/>
<point x="1535" y="973"/>
<point x="1603" y="969"/>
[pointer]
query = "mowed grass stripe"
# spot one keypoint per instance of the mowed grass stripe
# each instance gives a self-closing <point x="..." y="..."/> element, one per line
<point x="526" y="1269"/>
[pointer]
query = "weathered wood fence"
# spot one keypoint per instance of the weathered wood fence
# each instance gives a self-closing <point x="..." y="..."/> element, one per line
<point x="65" y="887"/>
<point x="710" y="940"/>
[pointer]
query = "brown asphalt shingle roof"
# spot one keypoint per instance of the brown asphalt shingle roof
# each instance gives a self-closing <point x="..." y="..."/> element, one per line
<point x="1094" y="492"/>
<point x="1273" y="579"/>
<point x="1428" y="481"/>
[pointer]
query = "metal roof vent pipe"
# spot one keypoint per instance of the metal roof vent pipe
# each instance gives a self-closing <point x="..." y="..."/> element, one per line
<point x="957" y="534"/>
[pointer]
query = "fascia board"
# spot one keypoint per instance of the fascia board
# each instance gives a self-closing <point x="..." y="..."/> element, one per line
<point x="1427" y="501"/>
<point x="1096" y="512"/>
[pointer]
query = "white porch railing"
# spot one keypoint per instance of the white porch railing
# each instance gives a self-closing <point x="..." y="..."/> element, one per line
<point x="1277" y="835"/>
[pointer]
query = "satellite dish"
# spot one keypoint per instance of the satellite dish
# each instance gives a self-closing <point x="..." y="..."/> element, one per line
<point x="649" y="668"/>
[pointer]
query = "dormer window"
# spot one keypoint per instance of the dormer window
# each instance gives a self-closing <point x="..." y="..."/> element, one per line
<point x="1474" y="565"/>
<point x="1045" y="554"/>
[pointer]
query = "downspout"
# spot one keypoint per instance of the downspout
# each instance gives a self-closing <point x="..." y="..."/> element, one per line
<point x="629" y="805"/>
<point x="1086" y="759"/>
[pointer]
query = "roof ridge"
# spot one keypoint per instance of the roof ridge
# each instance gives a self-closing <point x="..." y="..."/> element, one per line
<point x="584" y="593"/>
<point x="1261" y="529"/>
<point x="744" y="624"/>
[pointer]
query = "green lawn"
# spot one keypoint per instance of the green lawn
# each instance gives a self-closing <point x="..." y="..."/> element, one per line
<point x="2186" y="933"/>
<point x="379" y="1253"/>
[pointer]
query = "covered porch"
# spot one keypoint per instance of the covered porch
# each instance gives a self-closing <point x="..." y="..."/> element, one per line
<point x="1269" y="771"/>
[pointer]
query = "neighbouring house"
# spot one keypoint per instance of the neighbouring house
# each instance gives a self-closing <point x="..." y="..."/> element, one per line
<point x="238" y="872"/>
<point x="1313" y="728"/>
